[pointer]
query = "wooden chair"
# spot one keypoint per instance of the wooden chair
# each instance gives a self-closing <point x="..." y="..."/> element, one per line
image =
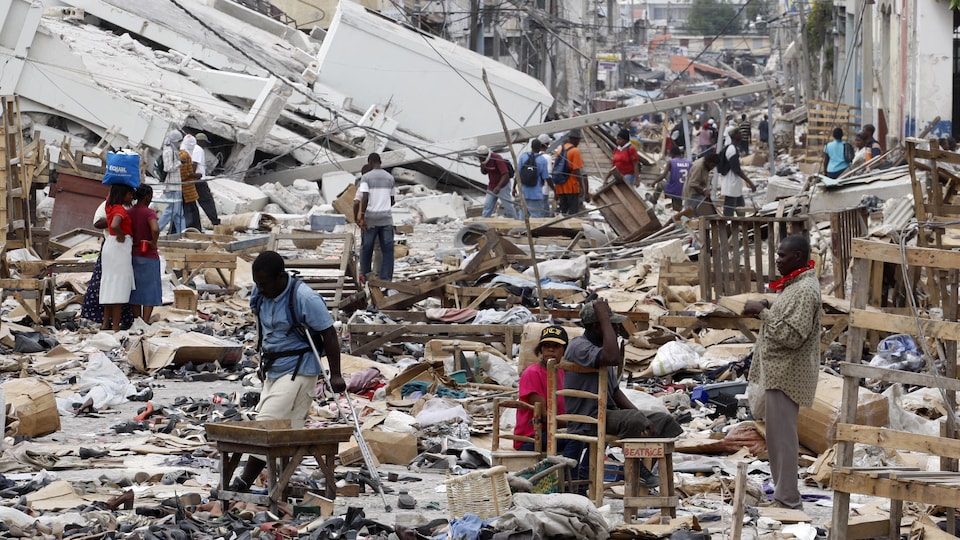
<point x="514" y="460"/>
<point x="597" y="451"/>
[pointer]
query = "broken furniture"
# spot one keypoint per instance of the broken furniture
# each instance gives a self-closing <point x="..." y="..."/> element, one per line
<point x="333" y="276"/>
<point x="29" y="293"/>
<point x="191" y="264"/>
<point x="939" y="270"/>
<point x="687" y="323"/>
<point x="366" y="337"/>
<point x="78" y="191"/>
<point x="490" y="257"/>
<point x="845" y="225"/>
<point x="283" y="449"/>
<point x="515" y="460"/>
<point x="625" y="211"/>
<point x="644" y="451"/>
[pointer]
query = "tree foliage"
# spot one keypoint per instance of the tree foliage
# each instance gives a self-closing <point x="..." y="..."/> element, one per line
<point x="714" y="18"/>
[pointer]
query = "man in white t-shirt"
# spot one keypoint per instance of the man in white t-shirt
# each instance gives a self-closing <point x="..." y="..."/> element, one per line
<point x="378" y="193"/>
<point x="731" y="184"/>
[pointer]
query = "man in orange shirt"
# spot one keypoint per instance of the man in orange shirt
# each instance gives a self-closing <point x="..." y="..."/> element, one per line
<point x="570" y="193"/>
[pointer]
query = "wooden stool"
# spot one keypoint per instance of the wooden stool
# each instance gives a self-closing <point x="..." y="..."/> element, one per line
<point x="635" y="452"/>
<point x="282" y="447"/>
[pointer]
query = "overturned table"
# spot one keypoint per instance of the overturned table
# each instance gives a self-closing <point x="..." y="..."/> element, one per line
<point x="283" y="449"/>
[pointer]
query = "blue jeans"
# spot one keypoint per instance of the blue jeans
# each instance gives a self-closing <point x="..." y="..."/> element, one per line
<point x="367" y="238"/>
<point x="172" y="215"/>
<point x="538" y="208"/>
<point x="506" y="198"/>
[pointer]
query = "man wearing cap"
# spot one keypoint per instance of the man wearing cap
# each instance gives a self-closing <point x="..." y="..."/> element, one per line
<point x="570" y="193"/>
<point x="498" y="185"/>
<point x="731" y="184"/>
<point x="533" y="385"/>
<point x="205" y="201"/>
<point x="598" y="347"/>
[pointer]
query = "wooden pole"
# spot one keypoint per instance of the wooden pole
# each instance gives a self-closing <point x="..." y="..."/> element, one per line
<point x="523" y="200"/>
<point x="739" y="493"/>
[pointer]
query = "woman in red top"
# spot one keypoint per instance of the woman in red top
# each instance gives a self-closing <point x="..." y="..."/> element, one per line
<point x="148" y="292"/>
<point x="116" y="282"/>
<point x="626" y="161"/>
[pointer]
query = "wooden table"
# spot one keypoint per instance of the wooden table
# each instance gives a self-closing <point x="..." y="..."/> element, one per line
<point x="283" y="449"/>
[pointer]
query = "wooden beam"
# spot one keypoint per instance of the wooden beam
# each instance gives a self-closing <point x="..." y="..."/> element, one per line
<point x="900" y="440"/>
<point x="861" y="371"/>
<point x="916" y="256"/>
<point x="904" y="324"/>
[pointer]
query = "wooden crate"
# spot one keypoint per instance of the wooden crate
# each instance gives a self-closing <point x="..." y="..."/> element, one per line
<point x="625" y="211"/>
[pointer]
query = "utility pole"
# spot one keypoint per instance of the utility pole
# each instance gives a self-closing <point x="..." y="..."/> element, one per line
<point x="805" y="55"/>
<point x="474" y="25"/>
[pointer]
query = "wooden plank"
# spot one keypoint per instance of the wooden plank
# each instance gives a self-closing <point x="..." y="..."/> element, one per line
<point x="891" y="489"/>
<point x="916" y="256"/>
<point x="860" y="371"/>
<point x="372" y="344"/>
<point x="903" y="324"/>
<point x="739" y="494"/>
<point x="651" y="502"/>
<point x="900" y="440"/>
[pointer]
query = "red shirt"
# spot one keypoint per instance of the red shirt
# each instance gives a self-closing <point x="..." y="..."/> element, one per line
<point x="494" y="168"/>
<point x="113" y="210"/>
<point x="533" y="380"/>
<point x="140" y="217"/>
<point x="624" y="160"/>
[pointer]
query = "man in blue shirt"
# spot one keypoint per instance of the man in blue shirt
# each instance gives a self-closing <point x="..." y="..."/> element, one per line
<point x="289" y="368"/>
<point x="536" y="200"/>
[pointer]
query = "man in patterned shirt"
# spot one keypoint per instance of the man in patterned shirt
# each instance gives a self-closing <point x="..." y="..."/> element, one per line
<point x="786" y="360"/>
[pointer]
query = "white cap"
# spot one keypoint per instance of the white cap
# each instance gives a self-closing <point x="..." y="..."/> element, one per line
<point x="545" y="139"/>
<point x="483" y="150"/>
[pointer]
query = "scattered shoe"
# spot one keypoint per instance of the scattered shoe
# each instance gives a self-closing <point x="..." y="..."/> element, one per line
<point x="87" y="453"/>
<point x="406" y="501"/>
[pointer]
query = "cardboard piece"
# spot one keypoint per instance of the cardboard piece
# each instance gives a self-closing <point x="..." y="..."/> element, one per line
<point x="390" y="447"/>
<point x="817" y="426"/>
<point x="33" y="405"/>
<point x="157" y="352"/>
<point x="344" y="203"/>
<point x="185" y="299"/>
<point x="58" y="495"/>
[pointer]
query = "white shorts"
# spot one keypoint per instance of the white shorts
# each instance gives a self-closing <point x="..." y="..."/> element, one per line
<point x="287" y="399"/>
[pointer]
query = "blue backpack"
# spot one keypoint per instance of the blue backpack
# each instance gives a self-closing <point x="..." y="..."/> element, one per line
<point x="267" y="359"/>
<point x="561" y="168"/>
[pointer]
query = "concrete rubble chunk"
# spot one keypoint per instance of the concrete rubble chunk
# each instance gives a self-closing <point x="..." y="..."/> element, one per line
<point x="233" y="197"/>
<point x="433" y="208"/>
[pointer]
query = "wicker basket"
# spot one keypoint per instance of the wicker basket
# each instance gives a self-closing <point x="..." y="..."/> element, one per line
<point x="484" y="493"/>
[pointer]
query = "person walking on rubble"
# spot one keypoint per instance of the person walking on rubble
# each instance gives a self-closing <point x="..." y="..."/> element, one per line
<point x="189" y="176"/>
<point x="570" y="192"/>
<point x="598" y="347"/>
<point x="786" y="360"/>
<point x="206" y="202"/>
<point x="499" y="183"/>
<point x="535" y="179"/>
<point x="731" y="182"/>
<point x="764" y="128"/>
<point x="696" y="190"/>
<point x="377" y="196"/>
<point x="745" y="134"/>
<point x="673" y="178"/>
<point x="625" y="161"/>
<point x="533" y="387"/>
<point x="170" y="156"/>
<point x="285" y="310"/>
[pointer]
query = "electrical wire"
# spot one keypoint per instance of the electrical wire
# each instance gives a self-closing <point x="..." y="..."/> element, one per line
<point x="906" y="231"/>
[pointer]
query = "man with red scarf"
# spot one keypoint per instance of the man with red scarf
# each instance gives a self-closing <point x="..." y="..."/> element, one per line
<point x="786" y="360"/>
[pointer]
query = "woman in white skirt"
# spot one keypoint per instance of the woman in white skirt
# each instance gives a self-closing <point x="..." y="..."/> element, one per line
<point x="116" y="281"/>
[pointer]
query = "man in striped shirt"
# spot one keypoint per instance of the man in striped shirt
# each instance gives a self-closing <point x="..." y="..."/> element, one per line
<point x="378" y="193"/>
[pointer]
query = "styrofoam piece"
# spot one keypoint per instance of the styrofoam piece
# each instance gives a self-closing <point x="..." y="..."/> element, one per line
<point x="436" y="207"/>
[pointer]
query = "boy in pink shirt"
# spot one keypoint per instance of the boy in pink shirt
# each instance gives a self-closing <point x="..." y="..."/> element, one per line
<point x="533" y="384"/>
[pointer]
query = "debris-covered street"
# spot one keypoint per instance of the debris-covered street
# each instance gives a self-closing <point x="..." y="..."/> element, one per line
<point x="349" y="278"/>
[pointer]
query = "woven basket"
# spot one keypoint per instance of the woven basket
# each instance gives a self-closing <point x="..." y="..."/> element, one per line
<point x="483" y="493"/>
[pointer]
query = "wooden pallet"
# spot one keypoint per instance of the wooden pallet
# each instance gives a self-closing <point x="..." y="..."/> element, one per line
<point x="822" y="117"/>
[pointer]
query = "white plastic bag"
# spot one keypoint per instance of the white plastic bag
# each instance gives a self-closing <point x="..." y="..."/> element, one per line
<point x="672" y="357"/>
<point x="439" y="410"/>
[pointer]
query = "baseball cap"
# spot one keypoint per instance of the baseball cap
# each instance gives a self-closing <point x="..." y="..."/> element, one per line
<point x="483" y="150"/>
<point x="574" y="134"/>
<point x="588" y="315"/>
<point x="545" y="139"/>
<point x="552" y="334"/>
<point x="202" y="137"/>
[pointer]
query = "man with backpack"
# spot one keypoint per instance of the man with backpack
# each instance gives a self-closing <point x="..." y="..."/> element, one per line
<point x="837" y="155"/>
<point x="286" y="309"/>
<point x="569" y="182"/>
<point x="732" y="176"/>
<point x="533" y="176"/>
<point x="500" y="173"/>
